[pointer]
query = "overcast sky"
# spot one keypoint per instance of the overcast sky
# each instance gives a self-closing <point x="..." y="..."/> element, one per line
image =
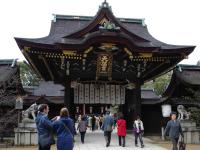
<point x="170" y="21"/>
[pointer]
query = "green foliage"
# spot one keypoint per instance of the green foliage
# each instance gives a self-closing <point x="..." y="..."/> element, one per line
<point x="194" y="93"/>
<point x="28" y="77"/>
<point x="195" y="114"/>
<point x="159" y="84"/>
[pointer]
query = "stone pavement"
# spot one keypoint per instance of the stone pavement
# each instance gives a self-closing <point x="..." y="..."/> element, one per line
<point x="95" y="141"/>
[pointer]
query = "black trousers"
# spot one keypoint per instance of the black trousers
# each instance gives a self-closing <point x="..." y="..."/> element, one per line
<point x="123" y="140"/>
<point x="107" y="135"/>
<point x="82" y="136"/>
<point x="138" y="135"/>
<point x="174" y="142"/>
<point x="44" y="148"/>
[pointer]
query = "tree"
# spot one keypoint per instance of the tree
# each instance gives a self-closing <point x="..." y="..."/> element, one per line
<point x="159" y="84"/>
<point x="28" y="77"/>
<point x="195" y="115"/>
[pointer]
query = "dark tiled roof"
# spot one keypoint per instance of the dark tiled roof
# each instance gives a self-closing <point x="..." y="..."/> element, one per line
<point x="189" y="74"/>
<point x="6" y="69"/>
<point x="63" y="25"/>
<point x="8" y="101"/>
<point x="148" y="96"/>
<point x="49" y="89"/>
<point x="186" y="76"/>
<point x="10" y="83"/>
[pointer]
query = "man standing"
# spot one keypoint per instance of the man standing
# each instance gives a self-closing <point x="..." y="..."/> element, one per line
<point x="174" y="130"/>
<point x="107" y="128"/>
<point x="44" y="128"/>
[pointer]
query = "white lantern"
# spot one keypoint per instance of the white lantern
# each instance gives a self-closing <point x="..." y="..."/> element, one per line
<point x="77" y="109"/>
<point x="166" y="110"/>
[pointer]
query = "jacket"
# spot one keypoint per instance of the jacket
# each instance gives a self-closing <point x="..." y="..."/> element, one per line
<point x="82" y="126"/>
<point x="64" y="128"/>
<point x="173" y="128"/>
<point x="138" y="126"/>
<point x="121" y="127"/>
<point x="107" y="123"/>
<point x="44" y="126"/>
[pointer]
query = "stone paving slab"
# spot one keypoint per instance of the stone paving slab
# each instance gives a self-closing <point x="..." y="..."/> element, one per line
<point x="95" y="141"/>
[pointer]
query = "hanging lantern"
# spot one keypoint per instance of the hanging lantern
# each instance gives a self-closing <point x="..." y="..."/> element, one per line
<point x="77" y="109"/>
<point x="166" y="110"/>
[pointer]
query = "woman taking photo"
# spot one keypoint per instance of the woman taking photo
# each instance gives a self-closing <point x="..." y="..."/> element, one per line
<point x="64" y="128"/>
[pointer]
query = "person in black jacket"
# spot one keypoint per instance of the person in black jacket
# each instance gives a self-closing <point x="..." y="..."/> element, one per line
<point x="173" y="129"/>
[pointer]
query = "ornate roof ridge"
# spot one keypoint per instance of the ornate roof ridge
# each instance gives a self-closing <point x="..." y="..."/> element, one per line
<point x="187" y="66"/>
<point x="89" y="18"/>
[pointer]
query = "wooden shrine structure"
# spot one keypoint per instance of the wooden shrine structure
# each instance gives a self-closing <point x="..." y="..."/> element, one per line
<point x="101" y="60"/>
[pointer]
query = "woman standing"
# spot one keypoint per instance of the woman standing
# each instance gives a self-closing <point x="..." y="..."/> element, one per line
<point x="139" y="131"/>
<point x="64" y="128"/>
<point x="121" y="130"/>
<point x="82" y="127"/>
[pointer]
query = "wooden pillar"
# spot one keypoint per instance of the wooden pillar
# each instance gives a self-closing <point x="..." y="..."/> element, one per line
<point x="83" y="109"/>
<point x="132" y="106"/>
<point x="67" y="99"/>
<point x="137" y="99"/>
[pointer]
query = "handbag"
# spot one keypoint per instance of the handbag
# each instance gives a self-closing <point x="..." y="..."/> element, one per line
<point x="182" y="145"/>
<point x="46" y="140"/>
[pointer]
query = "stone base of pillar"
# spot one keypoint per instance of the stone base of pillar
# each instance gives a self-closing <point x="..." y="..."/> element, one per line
<point x="191" y="132"/>
<point x="26" y="134"/>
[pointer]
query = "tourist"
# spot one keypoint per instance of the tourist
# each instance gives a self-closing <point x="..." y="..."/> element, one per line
<point x="121" y="130"/>
<point x="97" y="126"/>
<point x="44" y="128"/>
<point x="82" y="127"/>
<point x="64" y="128"/>
<point x="173" y="129"/>
<point x="107" y="127"/>
<point x="93" y="122"/>
<point x="138" y="131"/>
<point x="90" y="122"/>
<point x="115" y="120"/>
<point x="100" y="121"/>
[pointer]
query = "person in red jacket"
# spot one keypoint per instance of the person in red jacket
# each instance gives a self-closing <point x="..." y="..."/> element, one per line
<point x="121" y="130"/>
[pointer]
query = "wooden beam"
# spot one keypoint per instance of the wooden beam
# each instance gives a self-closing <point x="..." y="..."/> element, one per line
<point x="152" y="70"/>
<point x="31" y="63"/>
<point x="47" y="66"/>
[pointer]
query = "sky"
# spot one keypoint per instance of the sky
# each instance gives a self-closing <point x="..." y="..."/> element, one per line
<point x="171" y="21"/>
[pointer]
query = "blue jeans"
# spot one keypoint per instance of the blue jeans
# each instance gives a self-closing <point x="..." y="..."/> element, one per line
<point x="138" y="135"/>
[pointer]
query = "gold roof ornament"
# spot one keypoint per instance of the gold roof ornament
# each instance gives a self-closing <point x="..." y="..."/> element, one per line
<point x="146" y="55"/>
<point x="26" y="48"/>
<point x="129" y="53"/>
<point x="69" y="52"/>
